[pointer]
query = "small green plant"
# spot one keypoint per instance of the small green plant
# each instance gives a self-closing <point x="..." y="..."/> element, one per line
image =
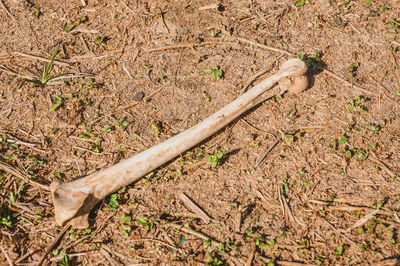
<point x="148" y="224"/>
<point x="215" y="158"/>
<point x="46" y="76"/>
<point x="339" y="251"/>
<point x="214" y="259"/>
<point x="395" y="25"/>
<point x="301" y="3"/>
<point x="258" y="242"/>
<point x="352" y="69"/>
<point x="206" y="243"/>
<point x="356" y="104"/>
<point x="271" y="243"/>
<point x="112" y="201"/>
<point x="369" y="2"/>
<point x="6" y="221"/>
<point x="347" y="5"/>
<point x="216" y="71"/>
<point x="59" y="101"/>
<point x="122" y="123"/>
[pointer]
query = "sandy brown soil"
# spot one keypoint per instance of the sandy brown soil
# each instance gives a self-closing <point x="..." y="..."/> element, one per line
<point x="328" y="193"/>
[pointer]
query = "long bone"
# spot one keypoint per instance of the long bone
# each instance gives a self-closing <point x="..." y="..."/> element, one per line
<point x="74" y="200"/>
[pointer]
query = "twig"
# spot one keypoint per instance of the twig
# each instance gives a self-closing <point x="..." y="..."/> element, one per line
<point x="291" y="263"/>
<point x="22" y="176"/>
<point x="238" y="219"/>
<point x="185" y="45"/>
<point x="112" y="261"/>
<point x="333" y="75"/>
<point x="69" y="256"/>
<point x="122" y="256"/>
<point x="7" y="11"/>
<point x="91" y="236"/>
<point x="85" y="31"/>
<point x="7" y="257"/>
<point x="383" y="165"/>
<point x="265" y="46"/>
<point x="387" y="262"/>
<point x="192" y="166"/>
<point x="252" y="255"/>
<point x="157" y="241"/>
<point x="13" y="72"/>
<point x="290" y="217"/>
<point x="92" y="56"/>
<point x="52" y="244"/>
<point x="340" y="232"/>
<point x="259" y="73"/>
<point x="57" y="62"/>
<point x="212" y="6"/>
<point x="127" y="72"/>
<point x="190" y="231"/>
<point x="87" y="150"/>
<point x="262" y="157"/>
<point x="127" y="7"/>
<point x="194" y="208"/>
<point x="362" y="220"/>
<point x="23" y="143"/>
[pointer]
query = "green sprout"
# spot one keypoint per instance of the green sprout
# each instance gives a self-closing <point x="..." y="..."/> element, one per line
<point x="215" y="158"/>
<point x="216" y="71"/>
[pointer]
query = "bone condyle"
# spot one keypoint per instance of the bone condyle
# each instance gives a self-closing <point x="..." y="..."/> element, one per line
<point x="74" y="200"/>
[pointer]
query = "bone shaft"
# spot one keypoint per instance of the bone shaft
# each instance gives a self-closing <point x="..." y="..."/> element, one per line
<point x="126" y="172"/>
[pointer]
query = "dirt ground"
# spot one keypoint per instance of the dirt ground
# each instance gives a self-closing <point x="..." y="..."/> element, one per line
<point x="131" y="74"/>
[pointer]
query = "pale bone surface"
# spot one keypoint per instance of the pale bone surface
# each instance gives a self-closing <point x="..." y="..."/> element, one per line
<point x="74" y="200"/>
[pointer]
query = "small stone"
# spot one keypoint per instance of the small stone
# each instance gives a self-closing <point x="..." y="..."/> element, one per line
<point x="138" y="96"/>
<point x="250" y="137"/>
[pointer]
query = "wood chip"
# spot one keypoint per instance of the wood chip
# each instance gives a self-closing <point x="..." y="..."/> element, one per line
<point x="191" y="205"/>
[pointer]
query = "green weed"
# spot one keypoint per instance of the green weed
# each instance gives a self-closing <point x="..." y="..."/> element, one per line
<point x="215" y="71"/>
<point x="215" y="158"/>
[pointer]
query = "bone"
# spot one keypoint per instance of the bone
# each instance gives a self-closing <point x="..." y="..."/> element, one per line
<point x="74" y="200"/>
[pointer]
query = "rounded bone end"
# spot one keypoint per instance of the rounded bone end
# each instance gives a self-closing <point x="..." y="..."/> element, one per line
<point x="68" y="206"/>
<point x="294" y="85"/>
<point x="296" y="81"/>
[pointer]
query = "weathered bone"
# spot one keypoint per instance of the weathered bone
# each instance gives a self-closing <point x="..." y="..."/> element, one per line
<point x="74" y="200"/>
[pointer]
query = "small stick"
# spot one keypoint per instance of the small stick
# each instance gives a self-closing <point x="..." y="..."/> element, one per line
<point x="362" y="220"/>
<point x="340" y="232"/>
<point x="13" y="72"/>
<point x="333" y="75"/>
<point x="190" y="231"/>
<point x="259" y="73"/>
<point x="265" y="46"/>
<point x="52" y="244"/>
<point x="383" y="165"/>
<point x="157" y="241"/>
<point x="27" y="144"/>
<point x="6" y="255"/>
<point x="212" y="6"/>
<point x="291" y="263"/>
<point x="253" y="254"/>
<point x="112" y="261"/>
<point x="262" y="157"/>
<point x="20" y="175"/>
<point x="290" y="217"/>
<point x="57" y="62"/>
<point x="186" y="45"/>
<point x="92" y="56"/>
<point x="7" y="11"/>
<point x="194" y="208"/>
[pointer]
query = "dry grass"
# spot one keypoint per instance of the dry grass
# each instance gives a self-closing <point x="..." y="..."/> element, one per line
<point x="328" y="193"/>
